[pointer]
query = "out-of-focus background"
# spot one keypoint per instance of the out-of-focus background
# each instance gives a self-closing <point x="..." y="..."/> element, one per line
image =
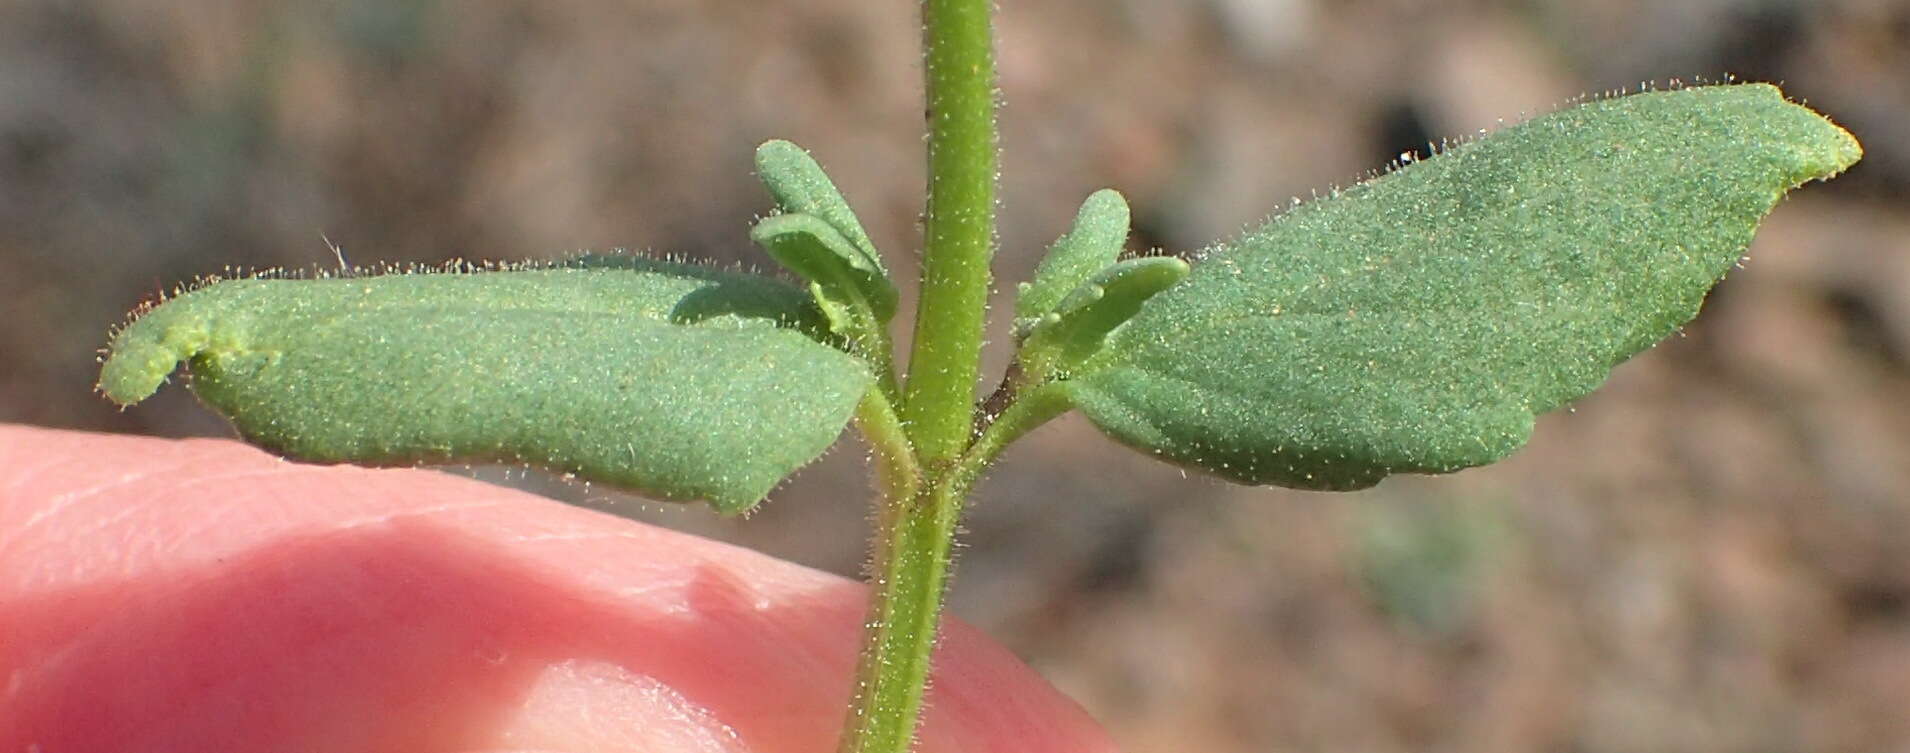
<point x="1712" y="553"/>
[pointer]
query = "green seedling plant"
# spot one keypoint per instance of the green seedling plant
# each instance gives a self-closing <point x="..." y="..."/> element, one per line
<point x="1416" y="322"/>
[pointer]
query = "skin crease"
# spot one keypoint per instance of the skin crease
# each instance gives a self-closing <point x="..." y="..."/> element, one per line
<point x="201" y="595"/>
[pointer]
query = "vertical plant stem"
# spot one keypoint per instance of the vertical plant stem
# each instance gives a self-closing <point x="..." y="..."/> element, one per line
<point x="915" y="522"/>
<point x="959" y="227"/>
<point x="911" y="566"/>
<point x="915" y="530"/>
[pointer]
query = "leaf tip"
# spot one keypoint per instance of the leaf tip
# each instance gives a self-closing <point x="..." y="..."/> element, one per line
<point x="1820" y="149"/>
<point x="155" y="341"/>
<point x="1838" y="152"/>
<point x="1106" y="202"/>
<point x="773" y="150"/>
<point x="143" y="354"/>
<point x="133" y="374"/>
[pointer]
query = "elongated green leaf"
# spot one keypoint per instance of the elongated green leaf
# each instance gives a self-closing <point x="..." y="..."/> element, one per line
<point x="682" y="382"/>
<point x="1419" y="322"/>
<point x="1080" y="324"/>
<point x="800" y="187"/>
<point x="814" y="250"/>
<point x="1091" y="245"/>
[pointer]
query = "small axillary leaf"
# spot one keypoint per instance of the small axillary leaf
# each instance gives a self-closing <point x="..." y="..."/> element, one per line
<point x="1092" y="245"/>
<point x="838" y="255"/>
<point x="816" y="251"/>
<point x="1076" y="329"/>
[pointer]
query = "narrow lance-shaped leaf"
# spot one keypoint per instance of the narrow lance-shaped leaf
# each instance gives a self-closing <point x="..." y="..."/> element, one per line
<point x="1418" y="322"/>
<point x="814" y="250"/>
<point x="1078" y="326"/>
<point x="679" y="381"/>
<point x="1091" y="245"/>
<point x="800" y="187"/>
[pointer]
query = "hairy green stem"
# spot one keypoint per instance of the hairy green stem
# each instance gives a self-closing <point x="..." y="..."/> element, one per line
<point x="915" y="531"/>
<point x="875" y="346"/>
<point x="926" y="467"/>
<point x="1027" y="409"/>
<point x="913" y="538"/>
<point x="897" y="474"/>
<point x="959" y="226"/>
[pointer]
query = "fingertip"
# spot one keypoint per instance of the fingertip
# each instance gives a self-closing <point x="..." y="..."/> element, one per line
<point x="239" y="602"/>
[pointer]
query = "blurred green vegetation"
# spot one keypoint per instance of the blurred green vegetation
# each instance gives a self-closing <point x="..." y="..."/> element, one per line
<point x="1425" y="562"/>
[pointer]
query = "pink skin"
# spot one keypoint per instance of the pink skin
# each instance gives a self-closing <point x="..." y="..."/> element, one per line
<point x="205" y="596"/>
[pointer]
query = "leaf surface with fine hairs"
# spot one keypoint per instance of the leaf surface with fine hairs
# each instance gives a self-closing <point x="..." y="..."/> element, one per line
<point x="679" y="381"/>
<point x="1418" y="322"/>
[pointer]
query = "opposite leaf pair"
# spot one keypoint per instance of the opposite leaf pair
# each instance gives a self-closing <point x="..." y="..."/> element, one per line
<point x="1414" y="323"/>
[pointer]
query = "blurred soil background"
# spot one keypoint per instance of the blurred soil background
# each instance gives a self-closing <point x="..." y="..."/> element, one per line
<point x="1711" y="554"/>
